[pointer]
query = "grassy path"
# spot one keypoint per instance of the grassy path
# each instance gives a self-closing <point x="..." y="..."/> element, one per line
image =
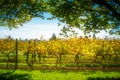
<point x="57" y="75"/>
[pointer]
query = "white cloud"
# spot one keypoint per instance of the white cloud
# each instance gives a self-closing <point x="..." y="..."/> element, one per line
<point x="31" y="31"/>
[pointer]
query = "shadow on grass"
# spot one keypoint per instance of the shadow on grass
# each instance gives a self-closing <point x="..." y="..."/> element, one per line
<point x="11" y="76"/>
<point x="106" y="78"/>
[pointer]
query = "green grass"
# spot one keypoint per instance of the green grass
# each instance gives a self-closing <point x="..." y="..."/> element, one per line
<point x="57" y="75"/>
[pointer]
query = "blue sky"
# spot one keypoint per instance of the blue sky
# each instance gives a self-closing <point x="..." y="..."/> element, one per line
<point x="32" y="30"/>
<point x="38" y="27"/>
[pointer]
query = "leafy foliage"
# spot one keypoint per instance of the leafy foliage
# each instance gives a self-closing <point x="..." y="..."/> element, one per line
<point x="89" y="48"/>
<point x="17" y="12"/>
<point x="88" y="15"/>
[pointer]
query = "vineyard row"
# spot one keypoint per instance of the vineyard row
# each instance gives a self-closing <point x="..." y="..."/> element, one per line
<point x="82" y="49"/>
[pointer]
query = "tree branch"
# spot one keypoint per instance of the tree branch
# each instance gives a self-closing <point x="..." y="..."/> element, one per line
<point x="109" y="7"/>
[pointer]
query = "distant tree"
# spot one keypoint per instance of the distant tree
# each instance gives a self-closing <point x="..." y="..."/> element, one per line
<point x="9" y="37"/>
<point x="86" y="36"/>
<point x="41" y="38"/>
<point x="53" y="37"/>
<point x="94" y="36"/>
<point x="81" y="37"/>
<point x="106" y="38"/>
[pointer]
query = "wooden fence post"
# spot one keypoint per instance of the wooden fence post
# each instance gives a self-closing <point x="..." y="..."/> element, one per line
<point x="16" y="54"/>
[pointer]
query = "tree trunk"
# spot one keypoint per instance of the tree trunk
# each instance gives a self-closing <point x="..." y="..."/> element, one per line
<point x="39" y="56"/>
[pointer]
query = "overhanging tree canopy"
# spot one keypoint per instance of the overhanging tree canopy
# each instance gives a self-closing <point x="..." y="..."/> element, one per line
<point x="17" y="12"/>
<point x="88" y="15"/>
